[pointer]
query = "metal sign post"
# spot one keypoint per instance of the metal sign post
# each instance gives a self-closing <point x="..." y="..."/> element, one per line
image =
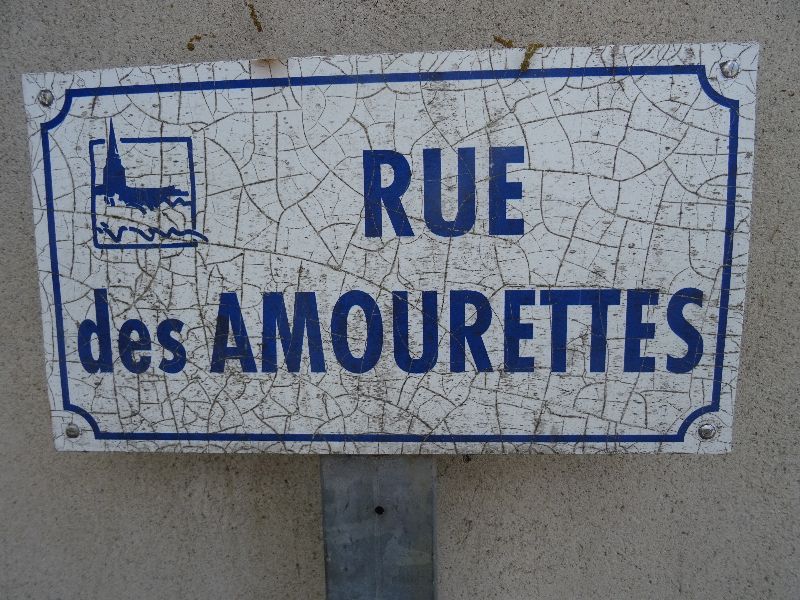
<point x="379" y="527"/>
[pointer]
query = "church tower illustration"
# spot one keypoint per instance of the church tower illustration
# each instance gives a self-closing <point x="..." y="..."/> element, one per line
<point x="115" y="186"/>
<point x="127" y="211"/>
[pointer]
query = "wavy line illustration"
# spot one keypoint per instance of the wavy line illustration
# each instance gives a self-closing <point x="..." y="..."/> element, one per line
<point x="150" y="234"/>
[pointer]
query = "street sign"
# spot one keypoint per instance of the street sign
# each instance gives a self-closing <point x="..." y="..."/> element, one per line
<point x="471" y="251"/>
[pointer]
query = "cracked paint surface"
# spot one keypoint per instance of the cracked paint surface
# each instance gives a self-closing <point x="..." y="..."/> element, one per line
<point x="625" y="185"/>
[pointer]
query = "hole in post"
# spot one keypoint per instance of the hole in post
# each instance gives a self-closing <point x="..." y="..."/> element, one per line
<point x="379" y="510"/>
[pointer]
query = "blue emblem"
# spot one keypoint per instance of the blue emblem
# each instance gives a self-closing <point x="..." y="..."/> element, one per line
<point x="128" y="210"/>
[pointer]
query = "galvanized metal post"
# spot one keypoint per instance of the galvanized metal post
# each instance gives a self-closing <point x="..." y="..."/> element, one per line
<point x="379" y="527"/>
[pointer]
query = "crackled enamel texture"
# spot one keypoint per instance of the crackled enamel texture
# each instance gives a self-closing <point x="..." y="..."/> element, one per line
<point x="436" y="252"/>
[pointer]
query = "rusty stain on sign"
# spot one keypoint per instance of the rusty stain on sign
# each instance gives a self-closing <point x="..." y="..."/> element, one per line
<point x="427" y="252"/>
<point x="530" y="50"/>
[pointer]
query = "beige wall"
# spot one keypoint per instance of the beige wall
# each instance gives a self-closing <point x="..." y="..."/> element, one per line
<point x="147" y="526"/>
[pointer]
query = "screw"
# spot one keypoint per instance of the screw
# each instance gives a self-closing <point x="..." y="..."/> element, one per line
<point x="72" y="431"/>
<point x="45" y="98"/>
<point x="707" y="431"/>
<point x="730" y="68"/>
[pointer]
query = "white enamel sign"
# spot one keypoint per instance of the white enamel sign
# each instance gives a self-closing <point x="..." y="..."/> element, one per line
<point x="436" y="252"/>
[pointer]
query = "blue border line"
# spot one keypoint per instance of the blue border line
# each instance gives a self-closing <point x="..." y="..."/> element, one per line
<point x="385" y="78"/>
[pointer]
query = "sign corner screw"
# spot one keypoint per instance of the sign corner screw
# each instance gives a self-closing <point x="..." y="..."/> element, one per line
<point x="730" y="68"/>
<point x="706" y="431"/>
<point x="45" y="98"/>
<point x="72" y="431"/>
